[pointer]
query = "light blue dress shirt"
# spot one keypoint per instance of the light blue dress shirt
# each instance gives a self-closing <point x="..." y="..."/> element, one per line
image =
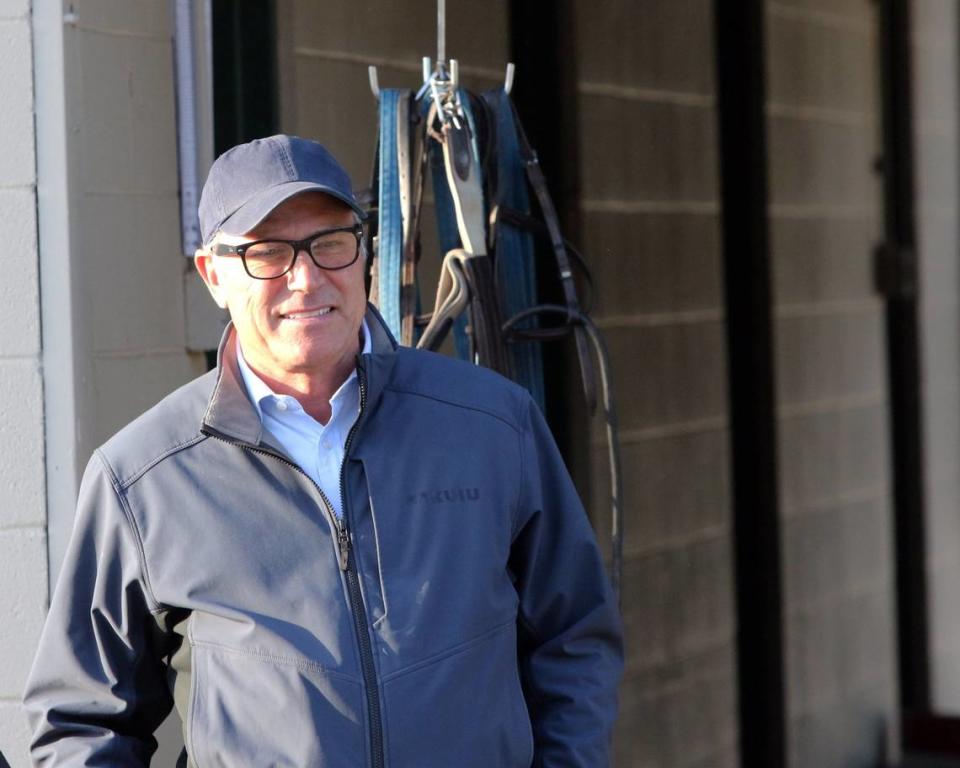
<point x="316" y="448"/>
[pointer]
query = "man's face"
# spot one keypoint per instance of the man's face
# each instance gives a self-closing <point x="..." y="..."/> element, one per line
<point x="281" y="323"/>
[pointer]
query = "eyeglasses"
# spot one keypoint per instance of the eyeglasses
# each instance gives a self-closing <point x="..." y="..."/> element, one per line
<point x="267" y="259"/>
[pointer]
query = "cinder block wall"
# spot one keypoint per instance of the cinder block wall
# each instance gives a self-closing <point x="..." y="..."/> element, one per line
<point x="650" y="231"/>
<point x="123" y="306"/>
<point x="936" y="136"/>
<point x="23" y="542"/>
<point x="823" y="114"/>
<point x="124" y="214"/>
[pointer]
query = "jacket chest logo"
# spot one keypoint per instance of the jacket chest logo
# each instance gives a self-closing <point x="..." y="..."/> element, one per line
<point x="445" y="496"/>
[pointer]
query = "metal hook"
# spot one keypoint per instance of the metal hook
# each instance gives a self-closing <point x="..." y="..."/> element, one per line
<point x="374" y="83"/>
<point x="441" y="32"/>
<point x="508" y="78"/>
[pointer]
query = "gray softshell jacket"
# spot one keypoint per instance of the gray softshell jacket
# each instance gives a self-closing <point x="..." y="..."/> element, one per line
<point x="458" y="617"/>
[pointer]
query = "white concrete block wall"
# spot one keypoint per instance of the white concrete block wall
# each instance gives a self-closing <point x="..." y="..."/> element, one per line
<point x="127" y="316"/>
<point x="124" y="215"/>
<point x="23" y="559"/>
<point x="16" y="91"/>
<point x="107" y="208"/>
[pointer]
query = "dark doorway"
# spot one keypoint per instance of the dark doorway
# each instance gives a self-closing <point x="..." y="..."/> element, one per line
<point x="244" y="72"/>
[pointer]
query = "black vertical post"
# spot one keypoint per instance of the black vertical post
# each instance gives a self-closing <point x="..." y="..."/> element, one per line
<point x="897" y="279"/>
<point x="244" y="71"/>
<point x="543" y="48"/>
<point x="746" y="254"/>
<point x="244" y="77"/>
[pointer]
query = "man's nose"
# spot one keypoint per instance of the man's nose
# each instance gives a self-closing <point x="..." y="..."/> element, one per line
<point x="304" y="274"/>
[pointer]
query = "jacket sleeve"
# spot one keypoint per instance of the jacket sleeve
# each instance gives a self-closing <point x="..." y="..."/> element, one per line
<point x="97" y="690"/>
<point x="570" y="636"/>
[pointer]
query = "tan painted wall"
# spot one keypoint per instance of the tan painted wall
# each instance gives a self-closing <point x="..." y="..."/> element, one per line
<point x="823" y="122"/>
<point x="124" y="215"/>
<point x="650" y="213"/>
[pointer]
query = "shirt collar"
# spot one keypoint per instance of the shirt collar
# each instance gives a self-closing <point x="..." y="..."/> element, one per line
<point x="258" y="389"/>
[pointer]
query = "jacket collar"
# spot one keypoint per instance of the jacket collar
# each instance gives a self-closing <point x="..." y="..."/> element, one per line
<point x="231" y="414"/>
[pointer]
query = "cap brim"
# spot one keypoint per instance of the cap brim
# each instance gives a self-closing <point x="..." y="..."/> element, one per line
<point x="258" y="207"/>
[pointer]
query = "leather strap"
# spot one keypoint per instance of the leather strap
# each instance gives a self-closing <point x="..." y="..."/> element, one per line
<point x="462" y="167"/>
<point x="453" y="296"/>
<point x="539" y="184"/>
<point x="513" y="247"/>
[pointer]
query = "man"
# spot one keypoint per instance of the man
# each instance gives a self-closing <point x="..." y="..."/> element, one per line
<point x="330" y="551"/>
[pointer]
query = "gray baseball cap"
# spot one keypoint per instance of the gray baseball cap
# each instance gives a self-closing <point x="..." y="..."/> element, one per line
<point x="247" y="182"/>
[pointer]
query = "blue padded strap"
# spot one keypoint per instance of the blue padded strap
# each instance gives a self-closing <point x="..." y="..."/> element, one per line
<point x="390" y="229"/>
<point x="514" y="247"/>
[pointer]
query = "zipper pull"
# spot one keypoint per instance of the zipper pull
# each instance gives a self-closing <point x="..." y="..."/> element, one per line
<point x="343" y="544"/>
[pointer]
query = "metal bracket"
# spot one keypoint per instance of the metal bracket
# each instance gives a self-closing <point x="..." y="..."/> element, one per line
<point x="508" y="78"/>
<point x="895" y="270"/>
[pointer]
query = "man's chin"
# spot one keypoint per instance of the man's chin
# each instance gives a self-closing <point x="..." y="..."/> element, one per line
<point x="305" y="356"/>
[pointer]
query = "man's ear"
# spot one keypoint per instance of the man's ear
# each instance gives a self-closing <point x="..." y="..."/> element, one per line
<point x="207" y="269"/>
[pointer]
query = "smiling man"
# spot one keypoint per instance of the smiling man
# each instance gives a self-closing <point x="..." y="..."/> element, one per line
<point x="331" y="550"/>
<point x="297" y="322"/>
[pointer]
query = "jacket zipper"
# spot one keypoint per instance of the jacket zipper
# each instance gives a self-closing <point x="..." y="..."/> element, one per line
<point x="356" y="598"/>
<point x="357" y="607"/>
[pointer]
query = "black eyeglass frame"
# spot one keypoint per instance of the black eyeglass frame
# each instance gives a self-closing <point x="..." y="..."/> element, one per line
<point x="222" y="249"/>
